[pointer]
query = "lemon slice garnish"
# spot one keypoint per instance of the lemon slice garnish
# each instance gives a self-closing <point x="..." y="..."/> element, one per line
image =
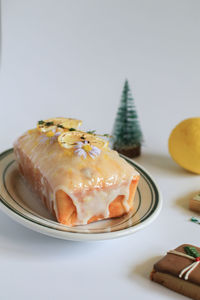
<point x="69" y="139"/>
<point x="57" y="124"/>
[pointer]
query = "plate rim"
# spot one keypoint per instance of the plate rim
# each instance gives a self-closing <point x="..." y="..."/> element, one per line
<point x="74" y="236"/>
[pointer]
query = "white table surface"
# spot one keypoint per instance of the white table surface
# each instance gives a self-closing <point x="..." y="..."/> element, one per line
<point x="70" y="58"/>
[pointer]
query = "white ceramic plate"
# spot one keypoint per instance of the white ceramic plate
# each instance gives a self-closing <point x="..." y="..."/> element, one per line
<point x="22" y="205"/>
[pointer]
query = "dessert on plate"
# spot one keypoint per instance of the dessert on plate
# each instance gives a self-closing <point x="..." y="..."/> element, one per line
<point x="78" y="177"/>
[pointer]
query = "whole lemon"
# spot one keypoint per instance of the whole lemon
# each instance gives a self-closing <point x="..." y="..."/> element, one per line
<point x="184" y="144"/>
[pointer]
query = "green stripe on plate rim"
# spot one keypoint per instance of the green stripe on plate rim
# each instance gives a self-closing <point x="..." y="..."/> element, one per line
<point x="142" y="172"/>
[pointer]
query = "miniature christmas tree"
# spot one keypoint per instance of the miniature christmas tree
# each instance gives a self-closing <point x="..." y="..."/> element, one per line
<point x="127" y="135"/>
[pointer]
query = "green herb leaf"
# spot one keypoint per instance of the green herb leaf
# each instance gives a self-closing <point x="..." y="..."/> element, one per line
<point x="60" y="126"/>
<point x="72" y="129"/>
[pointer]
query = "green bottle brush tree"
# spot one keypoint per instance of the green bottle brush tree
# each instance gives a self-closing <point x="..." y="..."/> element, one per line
<point x="127" y="136"/>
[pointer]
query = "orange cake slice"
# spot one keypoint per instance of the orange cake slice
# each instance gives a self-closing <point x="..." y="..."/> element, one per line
<point x="78" y="177"/>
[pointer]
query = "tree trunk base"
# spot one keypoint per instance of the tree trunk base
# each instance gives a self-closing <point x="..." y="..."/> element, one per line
<point x="130" y="151"/>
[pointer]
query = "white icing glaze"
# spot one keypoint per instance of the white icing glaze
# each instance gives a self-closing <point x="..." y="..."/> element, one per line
<point x="92" y="184"/>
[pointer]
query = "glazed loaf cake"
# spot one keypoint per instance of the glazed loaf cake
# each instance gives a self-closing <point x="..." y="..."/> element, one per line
<point x="77" y="189"/>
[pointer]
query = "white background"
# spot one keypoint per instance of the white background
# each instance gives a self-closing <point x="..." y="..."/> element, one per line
<point x="70" y="58"/>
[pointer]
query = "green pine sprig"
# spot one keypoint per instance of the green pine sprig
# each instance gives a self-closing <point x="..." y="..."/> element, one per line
<point x="60" y="126"/>
<point x="41" y="122"/>
<point x="49" y="123"/>
<point x="91" y="131"/>
<point x="97" y="134"/>
<point x="72" y="129"/>
<point x="192" y="251"/>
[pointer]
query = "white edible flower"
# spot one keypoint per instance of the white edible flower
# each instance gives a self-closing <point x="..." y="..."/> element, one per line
<point x="85" y="148"/>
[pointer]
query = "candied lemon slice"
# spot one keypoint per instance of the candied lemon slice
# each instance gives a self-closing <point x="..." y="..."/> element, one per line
<point x="69" y="139"/>
<point x="57" y="124"/>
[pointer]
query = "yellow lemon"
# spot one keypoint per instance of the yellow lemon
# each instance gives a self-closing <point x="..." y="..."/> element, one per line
<point x="184" y="144"/>
<point x="58" y="124"/>
<point x="69" y="139"/>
